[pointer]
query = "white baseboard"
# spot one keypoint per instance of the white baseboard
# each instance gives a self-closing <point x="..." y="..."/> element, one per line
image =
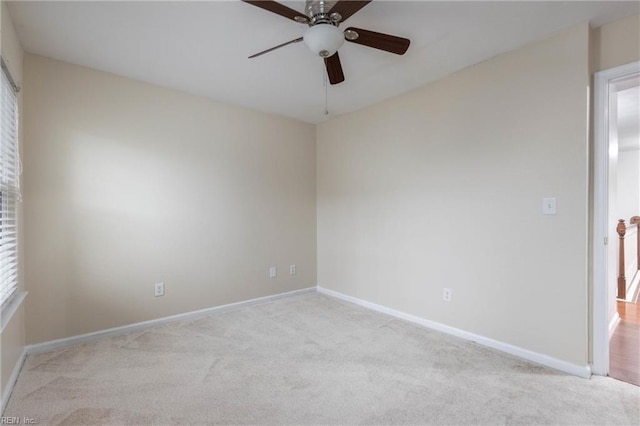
<point x="614" y="323"/>
<point x="548" y="361"/>
<point x="12" y="381"/>
<point x="88" y="337"/>
<point x="578" y="370"/>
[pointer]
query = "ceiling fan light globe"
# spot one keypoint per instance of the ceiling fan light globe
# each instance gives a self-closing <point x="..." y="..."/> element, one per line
<point x="324" y="39"/>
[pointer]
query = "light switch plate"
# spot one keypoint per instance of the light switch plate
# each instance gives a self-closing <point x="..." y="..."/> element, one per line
<point x="549" y="205"/>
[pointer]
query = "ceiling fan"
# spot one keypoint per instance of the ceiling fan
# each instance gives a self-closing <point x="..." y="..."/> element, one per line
<point x="324" y="38"/>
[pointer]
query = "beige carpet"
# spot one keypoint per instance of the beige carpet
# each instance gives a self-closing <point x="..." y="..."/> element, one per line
<point x="308" y="359"/>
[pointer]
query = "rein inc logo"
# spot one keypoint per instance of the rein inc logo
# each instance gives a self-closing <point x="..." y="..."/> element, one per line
<point x="17" y="421"/>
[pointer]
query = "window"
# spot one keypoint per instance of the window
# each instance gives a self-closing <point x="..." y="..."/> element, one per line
<point x="9" y="186"/>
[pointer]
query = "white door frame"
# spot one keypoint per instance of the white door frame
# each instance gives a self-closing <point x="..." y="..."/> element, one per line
<point x="601" y="222"/>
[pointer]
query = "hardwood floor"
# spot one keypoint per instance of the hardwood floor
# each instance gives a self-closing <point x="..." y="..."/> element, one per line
<point x="624" y="346"/>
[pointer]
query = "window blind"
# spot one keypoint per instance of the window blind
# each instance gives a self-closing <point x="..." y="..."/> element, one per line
<point x="9" y="187"/>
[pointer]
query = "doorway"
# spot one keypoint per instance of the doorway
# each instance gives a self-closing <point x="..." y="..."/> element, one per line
<point x="609" y="84"/>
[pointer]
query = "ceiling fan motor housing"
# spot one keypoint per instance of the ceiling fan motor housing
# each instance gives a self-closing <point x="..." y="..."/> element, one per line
<point x="318" y="11"/>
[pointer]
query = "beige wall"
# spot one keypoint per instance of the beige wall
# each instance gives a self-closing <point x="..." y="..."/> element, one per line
<point x="443" y="187"/>
<point x="616" y="43"/>
<point x="12" y="336"/>
<point x="127" y="184"/>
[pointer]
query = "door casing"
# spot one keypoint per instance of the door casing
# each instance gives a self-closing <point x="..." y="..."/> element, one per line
<point x="603" y="235"/>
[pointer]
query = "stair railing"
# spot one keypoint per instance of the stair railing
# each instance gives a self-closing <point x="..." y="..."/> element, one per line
<point x="623" y="230"/>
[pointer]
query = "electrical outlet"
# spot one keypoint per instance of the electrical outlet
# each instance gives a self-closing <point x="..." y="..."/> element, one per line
<point x="447" y="294"/>
<point x="273" y="272"/>
<point x="549" y="205"/>
<point x="292" y="269"/>
<point x="159" y="289"/>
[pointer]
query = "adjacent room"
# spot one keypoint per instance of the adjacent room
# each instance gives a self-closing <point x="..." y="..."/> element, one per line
<point x="320" y="212"/>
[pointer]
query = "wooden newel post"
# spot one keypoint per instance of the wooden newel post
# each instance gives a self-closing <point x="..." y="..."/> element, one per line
<point x="635" y="220"/>
<point x="622" y="282"/>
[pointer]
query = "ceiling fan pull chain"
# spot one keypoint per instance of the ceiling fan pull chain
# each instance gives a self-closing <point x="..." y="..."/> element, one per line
<point x="324" y="79"/>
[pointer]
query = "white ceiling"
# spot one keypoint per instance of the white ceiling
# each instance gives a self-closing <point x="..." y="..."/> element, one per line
<point x="202" y="47"/>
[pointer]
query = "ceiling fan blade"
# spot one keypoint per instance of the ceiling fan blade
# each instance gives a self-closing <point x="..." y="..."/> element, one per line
<point x="346" y="8"/>
<point x="297" y="40"/>
<point x="279" y="9"/>
<point x="334" y="69"/>
<point x="389" y="43"/>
